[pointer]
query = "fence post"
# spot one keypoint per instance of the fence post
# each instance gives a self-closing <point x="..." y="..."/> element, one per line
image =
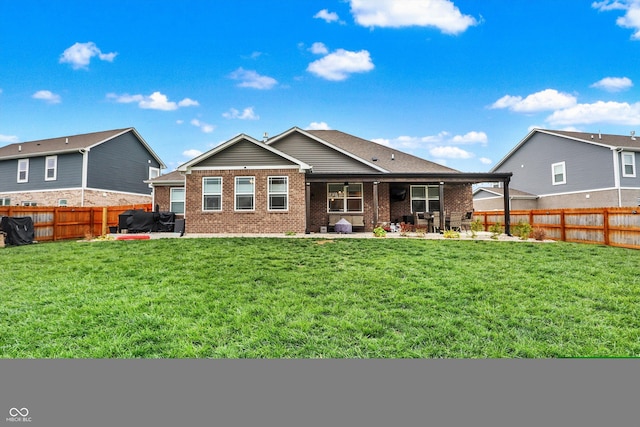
<point x="605" y="225"/>
<point x="55" y="224"/>
<point x="563" y="232"/>
<point x="104" y="221"/>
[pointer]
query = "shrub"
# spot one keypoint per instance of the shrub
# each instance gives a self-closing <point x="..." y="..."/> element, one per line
<point x="451" y="234"/>
<point x="539" y="234"/>
<point x="379" y="232"/>
<point x="522" y="229"/>
<point x="476" y="226"/>
<point x="496" y="230"/>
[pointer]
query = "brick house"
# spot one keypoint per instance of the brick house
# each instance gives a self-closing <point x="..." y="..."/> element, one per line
<point x="301" y="180"/>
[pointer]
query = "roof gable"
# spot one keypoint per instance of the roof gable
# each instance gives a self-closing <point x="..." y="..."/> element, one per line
<point x="243" y="152"/>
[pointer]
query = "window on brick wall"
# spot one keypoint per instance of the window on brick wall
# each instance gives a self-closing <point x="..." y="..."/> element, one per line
<point x="176" y="201"/>
<point x="278" y="189"/>
<point x="425" y="198"/>
<point x="344" y="197"/>
<point x="212" y="193"/>
<point x="245" y="193"/>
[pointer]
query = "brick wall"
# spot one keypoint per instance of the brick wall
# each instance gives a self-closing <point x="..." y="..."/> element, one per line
<point x="258" y="221"/>
<point x="74" y="198"/>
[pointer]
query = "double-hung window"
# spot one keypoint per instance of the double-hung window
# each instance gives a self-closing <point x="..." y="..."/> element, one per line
<point x="51" y="168"/>
<point x="278" y="189"/>
<point x="245" y="193"/>
<point x="23" y="170"/>
<point x="559" y="173"/>
<point x="176" y="200"/>
<point x="628" y="164"/>
<point x="211" y="194"/>
<point x="344" y="197"/>
<point x="425" y="198"/>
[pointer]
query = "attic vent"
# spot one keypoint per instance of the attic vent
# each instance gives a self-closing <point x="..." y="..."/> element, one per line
<point x="66" y="140"/>
<point x="19" y="147"/>
<point x="375" y="159"/>
<point x="633" y="135"/>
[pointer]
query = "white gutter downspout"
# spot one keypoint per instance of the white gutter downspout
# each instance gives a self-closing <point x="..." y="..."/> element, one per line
<point x="85" y="168"/>
<point x="616" y="173"/>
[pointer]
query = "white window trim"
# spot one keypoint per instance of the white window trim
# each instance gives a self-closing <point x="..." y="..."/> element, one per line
<point x="153" y="169"/>
<point x="633" y="164"/>
<point x="25" y="162"/>
<point x="426" y="192"/>
<point x="210" y="194"/>
<point x="55" y="168"/>
<point x="5" y="201"/>
<point x="236" y="194"/>
<point x="172" y="200"/>
<point x="564" y="173"/>
<point x="270" y="193"/>
<point x="346" y="198"/>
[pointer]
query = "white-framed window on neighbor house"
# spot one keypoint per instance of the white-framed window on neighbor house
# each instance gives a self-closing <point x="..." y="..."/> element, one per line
<point x="344" y="197"/>
<point x="51" y="168"/>
<point x="176" y="200"/>
<point x="153" y="173"/>
<point x="629" y="164"/>
<point x="245" y="193"/>
<point x="29" y="203"/>
<point x="559" y="173"/>
<point x="62" y="202"/>
<point x="5" y="201"/>
<point x="23" y="170"/>
<point x="278" y="193"/>
<point x="212" y="193"/>
<point x="425" y="198"/>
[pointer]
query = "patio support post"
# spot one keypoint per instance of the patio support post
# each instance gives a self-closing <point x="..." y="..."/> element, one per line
<point x="507" y="210"/>
<point x="307" y="207"/>
<point x="442" y="215"/>
<point x="375" y="203"/>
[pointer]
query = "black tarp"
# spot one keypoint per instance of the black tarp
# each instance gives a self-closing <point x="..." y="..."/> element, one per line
<point x="166" y="221"/>
<point x="144" y="222"/>
<point x="19" y="230"/>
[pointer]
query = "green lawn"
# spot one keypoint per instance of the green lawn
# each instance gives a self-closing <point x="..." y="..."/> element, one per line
<point x="309" y="298"/>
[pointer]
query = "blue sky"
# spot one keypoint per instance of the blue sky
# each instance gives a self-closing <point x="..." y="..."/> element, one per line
<point x="458" y="82"/>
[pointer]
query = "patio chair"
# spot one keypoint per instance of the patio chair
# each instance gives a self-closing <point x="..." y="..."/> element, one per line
<point x="466" y="221"/>
<point x="421" y="220"/>
<point x="455" y="222"/>
<point x="436" y="221"/>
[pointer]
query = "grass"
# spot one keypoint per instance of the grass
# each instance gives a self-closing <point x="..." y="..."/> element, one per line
<point x="310" y="298"/>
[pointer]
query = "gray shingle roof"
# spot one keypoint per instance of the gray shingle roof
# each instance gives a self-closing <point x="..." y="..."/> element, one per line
<point x="57" y="145"/>
<point x="598" y="138"/>
<point x="369" y="150"/>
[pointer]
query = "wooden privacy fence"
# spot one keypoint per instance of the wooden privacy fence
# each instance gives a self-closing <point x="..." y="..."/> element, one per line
<point x="607" y="226"/>
<point x="60" y="223"/>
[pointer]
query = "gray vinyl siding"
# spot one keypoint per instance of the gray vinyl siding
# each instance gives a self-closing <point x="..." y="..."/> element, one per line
<point x="120" y="164"/>
<point x="587" y="166"/>
<point x="244" y="153"/>
<point x="68" y="175"/>
<point x="322" y="158"/>
<point x="485" y="195"/>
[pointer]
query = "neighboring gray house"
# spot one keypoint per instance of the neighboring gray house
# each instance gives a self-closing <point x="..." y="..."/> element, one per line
<point x="566" y="169"/>
<point x="93" y="169"/>
<point x="492" y="198"/>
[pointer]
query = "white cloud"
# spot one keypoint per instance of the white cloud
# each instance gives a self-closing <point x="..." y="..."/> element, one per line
<point x="8" y="139"/>
<point x="251" y="79"/>
<point x="246" y="114"/>
<point x="442" y="14"/>
<point x="620" y="113"/>
<point x="319" y="48"/>
<point x="47" y="95"/>
<point x="340" y="64"/>
<point x="631" y="18"/>
<point x="382" y="141"/>
<point x="191" y="153"/>
<point x="204" y="127"/>
<point x="613" y="84"/>
<point x="79" y="55"/>
<point x="485" y="160"/>
<point x="318" y="126"/>
<point x="472" y="137"/>
<point x="449" y="152"/>
<point x="548" y="99"/>
<point x="327" y="16"/>
<point x="155" y="101"/>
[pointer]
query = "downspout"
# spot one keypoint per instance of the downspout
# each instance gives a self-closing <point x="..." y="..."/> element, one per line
<point x="442" y="215"/>
<point x="375" y="204"/>
<point x="307" y="207"/>
<point x="616" y="173"/>
<point x="85" y="168"/>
